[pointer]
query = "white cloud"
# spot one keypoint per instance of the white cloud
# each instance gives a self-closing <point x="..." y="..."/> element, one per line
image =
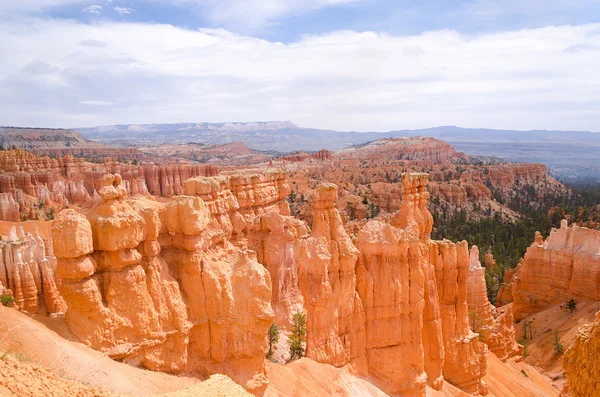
<point x="123" y="10"/>
<point x="92" y="102"/>
<point x="136" y="73"/>
<point x="93" y="9"/>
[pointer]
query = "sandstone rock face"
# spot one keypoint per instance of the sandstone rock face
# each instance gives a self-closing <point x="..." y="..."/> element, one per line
<point x="495" y="329"/>
<point x="335" y="317"/>
<point x="31" y="184"/>
<point x="566" y="265"/>
<point x="321" y="155"/>
<point x="161" y="284"/>
<point x="394" y="305"/>
<point x="192" y="284"/>
<point x="415" y="149"/>
<point x="581" y="361"/>
<point x="28" y="271"/>
<point x="505" y="295"/>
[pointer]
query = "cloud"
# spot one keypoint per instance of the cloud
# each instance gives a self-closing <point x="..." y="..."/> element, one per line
<point x="581" y="47"/>
<point x="96" y="103"/>
<point x="92" y="43"/>
<point x="93" y="9"/>
<point x="38" y="67"/>
<point x="123" y="10"/>
<point x="363" y="81"/>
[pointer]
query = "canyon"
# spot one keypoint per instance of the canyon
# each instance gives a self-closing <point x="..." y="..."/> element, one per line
<point x="157" y="284"/>
<point x="182" y="268"/>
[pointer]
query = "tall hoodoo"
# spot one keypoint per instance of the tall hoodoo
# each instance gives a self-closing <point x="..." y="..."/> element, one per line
<point x="161" y="285"/>
<point x="566" y="265"/>
<point x="495" y="327"/>
<point x="326" y="277"/>
<point x="398" y="304"/>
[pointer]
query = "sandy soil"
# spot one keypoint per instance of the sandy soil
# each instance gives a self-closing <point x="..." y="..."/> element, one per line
<point x="34" y="342"/>
<point x="541" y="350"/>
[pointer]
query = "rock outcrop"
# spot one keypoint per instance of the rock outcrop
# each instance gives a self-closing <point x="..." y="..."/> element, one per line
<point x="321" y="155"/>
<point x="161" y="284"/>
<point x="394" y="306"/>
<point x="581" y="361"/>
<point x="495" y="328"/>
<point x="418" y="149"/>
<point x="32" y="185"/>
<point x="505" y="296"/>
<point x="564" y="266"/>
<point x="193" y="283"/>
<point x="27" y="269"/>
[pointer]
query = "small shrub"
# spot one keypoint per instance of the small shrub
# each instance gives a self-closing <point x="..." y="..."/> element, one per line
<point x="7" y="300"/>
<point x="558" y="347"/>
<point x="571" y="305"/>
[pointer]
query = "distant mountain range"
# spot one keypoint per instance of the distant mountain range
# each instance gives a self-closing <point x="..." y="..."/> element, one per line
<point x="569" y="154"/>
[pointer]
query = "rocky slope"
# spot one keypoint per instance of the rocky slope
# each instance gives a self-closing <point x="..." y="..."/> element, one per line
<point x="565" y="266"/>
<point x="230" y="154"/>
<point x="368" y="177"/>
<point x="419" y="149"/>
<point x="60" y="142"/>
<point x="191" y="284"/>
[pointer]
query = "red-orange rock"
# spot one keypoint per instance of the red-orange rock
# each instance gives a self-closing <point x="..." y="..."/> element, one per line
<point x="581" y="361"/>
<point x="565" y="266"/>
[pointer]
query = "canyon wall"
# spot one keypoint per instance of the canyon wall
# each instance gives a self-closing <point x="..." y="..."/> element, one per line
<point x="30" y="184"/>
<point x="564" y="266"/>
<point x="581" y="361"/>
<point x="27" y="272"/>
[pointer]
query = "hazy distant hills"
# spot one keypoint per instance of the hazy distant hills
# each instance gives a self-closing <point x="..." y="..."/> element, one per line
<point x="567" y="153"/>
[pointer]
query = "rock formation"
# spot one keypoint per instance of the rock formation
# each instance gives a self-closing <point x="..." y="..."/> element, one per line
<point x="192" y="284"/>
<point x="30" y="184"/>
<point x="27" y="269"/>
<point x="564" y="266"/>
<point x="321" y="155"/>
<point x="162" y="285"/>
<point x="505" y="296"/>
<point x="420" y="149"/>
<point x="495" y="329"/>
<point x="581" y="361"/>
<point x="396" y="308"/>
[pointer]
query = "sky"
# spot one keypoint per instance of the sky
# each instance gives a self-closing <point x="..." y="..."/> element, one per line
<point x="360" y="65"/>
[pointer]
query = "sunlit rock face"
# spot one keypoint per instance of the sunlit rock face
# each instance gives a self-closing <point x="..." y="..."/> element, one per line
<point x="193" y="283"/>
<point x="394" y="305"/>
<point x="28" y="272"/>
<point x="564" y="266"/>
<point x="162" y="285"/>
<point x="495" y="328"/>
<point x="581" y="361"/>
